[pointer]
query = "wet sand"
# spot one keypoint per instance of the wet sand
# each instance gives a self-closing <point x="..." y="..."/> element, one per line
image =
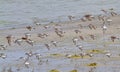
<point x="55" y="58"/>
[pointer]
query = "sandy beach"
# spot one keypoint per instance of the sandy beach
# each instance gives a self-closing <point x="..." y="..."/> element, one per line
<point x="65" y="56"/>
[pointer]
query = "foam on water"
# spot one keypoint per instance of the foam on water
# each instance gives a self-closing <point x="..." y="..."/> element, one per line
<point x="18" y="12"/>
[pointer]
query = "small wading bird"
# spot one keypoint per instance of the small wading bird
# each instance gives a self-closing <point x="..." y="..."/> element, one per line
<point x="54" y="43"/>
<point x="89" y="17"/>
<point x="38" y="56"/>
<point x="91" y="26"/>
<point x="29" y="54"/>
<point x="59" y="33"/>
<point x="2" y="55"/>
<point x="77" y="31"/>
<point x="29" y="41"/>
<point x="18" y="41"/>
<point x="26" y="63"/>
<point x="3" y="47"/>
<point x="29" y="28"/>
<point x="43" y="35"/>
<point x="112" y="12"/>
<point x="27" y="35"/>
<point x="90" y="54"/>
<point x="75" y="40"/>
<point x="107" y="53"/>
<point x="68" y="55"/>
<point x="82" y="54"/>
<point x="80" y="47"/>
<point x="23" y="58"/>
<point x="70" y="17"/>
<point x="81" y="37"/>
<point x="83" y="19"/>
<point x="101" y="18"/>
<point x="113" y="38"/>
<point x="9" y="39"/>
<point x="109" y="21"/>
<point x="47" y="46"/>
<point x="86" y="54"/>
<point x="46" y="26"/>
<point x="104" y="11"/>
<point x="92" y="36"/>
<point x="104" y="28"/>
<point x="36" y="21"/>
<point x="24" y="38"/>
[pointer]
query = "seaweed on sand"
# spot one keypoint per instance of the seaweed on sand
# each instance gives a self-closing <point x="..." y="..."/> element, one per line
<point x="74" y="70"/>
<point x="54" y="70"/>
<point x="75" y="56"/>
<point x="92" y="64"/>
<point x="95" y="51"/>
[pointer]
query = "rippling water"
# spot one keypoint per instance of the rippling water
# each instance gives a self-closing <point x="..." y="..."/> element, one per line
<point x="19" y="12"/>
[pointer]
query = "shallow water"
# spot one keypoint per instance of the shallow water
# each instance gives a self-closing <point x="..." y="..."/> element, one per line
<point x="21" y="12"/>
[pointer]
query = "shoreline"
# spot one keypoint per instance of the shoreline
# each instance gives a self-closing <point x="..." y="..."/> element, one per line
<point x="56" y="56"/>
